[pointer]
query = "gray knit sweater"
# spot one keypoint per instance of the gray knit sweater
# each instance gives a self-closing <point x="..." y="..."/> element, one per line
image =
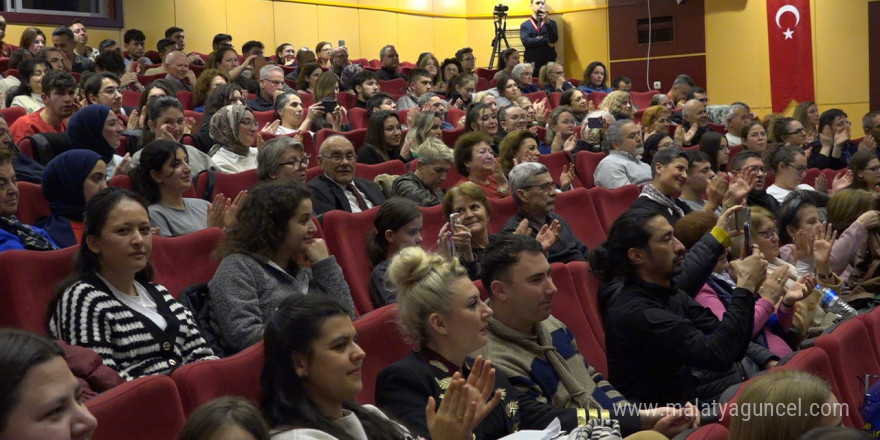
<point x="246" y="290"/>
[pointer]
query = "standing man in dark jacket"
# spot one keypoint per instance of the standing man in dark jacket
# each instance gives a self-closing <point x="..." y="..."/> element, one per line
<point x="539" y="35"/>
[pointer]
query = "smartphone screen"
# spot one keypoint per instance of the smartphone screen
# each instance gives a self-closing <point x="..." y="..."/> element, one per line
<point x="454" y="219"/>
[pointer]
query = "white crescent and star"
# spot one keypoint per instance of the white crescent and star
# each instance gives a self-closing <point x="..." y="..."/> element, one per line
<point x="797" y="19"/>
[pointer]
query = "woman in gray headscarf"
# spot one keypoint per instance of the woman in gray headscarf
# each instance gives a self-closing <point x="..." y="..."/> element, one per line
<point x="234" y="128"/>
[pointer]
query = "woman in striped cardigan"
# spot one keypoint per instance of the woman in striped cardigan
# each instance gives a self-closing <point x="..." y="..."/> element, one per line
<point x="108" y="303"/>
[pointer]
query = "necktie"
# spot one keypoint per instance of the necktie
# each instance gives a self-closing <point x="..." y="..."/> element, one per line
<point x="362" y="204"/>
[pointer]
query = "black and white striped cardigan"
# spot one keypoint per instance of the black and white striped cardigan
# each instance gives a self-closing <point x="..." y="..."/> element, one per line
<point x="89" y="315"/>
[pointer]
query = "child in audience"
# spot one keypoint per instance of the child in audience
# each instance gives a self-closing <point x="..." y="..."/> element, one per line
<point x="108" y="303"/>
<point x="398" y="225"/>
<point x="225" y="418"/>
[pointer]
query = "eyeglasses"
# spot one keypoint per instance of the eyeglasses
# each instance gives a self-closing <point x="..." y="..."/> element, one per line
<point x="801" y="130"/>
<point x="872" y="169"/>
<point x="755" y="168"/>
<point x="296" y="163"/>
<point x="250" y="122"/>
<point x="111" y="91"/>
<point x="338" y="157"/>
<point x="274" y="82"/>
<point x="543" y="187"/>
<point x="768" y="234"/>
<point x="800" y="170"/>
<point x="843" y="124"/>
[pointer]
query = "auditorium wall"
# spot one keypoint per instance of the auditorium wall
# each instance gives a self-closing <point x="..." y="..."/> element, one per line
<point x="736" y="52"/>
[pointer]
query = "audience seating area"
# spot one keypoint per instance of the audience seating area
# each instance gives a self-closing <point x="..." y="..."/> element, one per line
<point x="841" y="357"/>
<point x="238" y="375"/>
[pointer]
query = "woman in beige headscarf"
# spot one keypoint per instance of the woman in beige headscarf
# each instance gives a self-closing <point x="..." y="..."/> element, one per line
<point x="234" y="128"/>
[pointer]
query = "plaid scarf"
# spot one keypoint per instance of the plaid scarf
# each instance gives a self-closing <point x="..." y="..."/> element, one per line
<point x="651" y="192"/>
<point x="30" y="238"/>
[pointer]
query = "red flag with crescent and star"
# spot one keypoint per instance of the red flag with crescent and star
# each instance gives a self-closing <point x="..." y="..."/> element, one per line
<point x="789" y="30"/>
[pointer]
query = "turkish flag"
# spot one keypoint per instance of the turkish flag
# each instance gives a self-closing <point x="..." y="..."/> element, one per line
<point x="789" y="31"/>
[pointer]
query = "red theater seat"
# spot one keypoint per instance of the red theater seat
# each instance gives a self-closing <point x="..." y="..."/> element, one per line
<point x="356" y="137"/>
<point x="144" y="409"/>
<point x="357" y="117"/>
<point x="432" y="221"/>
<point x="502" y="211"/>
<point x="852" y="356"/>
<point x="227" y="184"/>
<point x="380" y="338"/>
<point x="555" y="162"/>
<point x="642" y="100"/>
<point x="186" y="99"/>
<point x="369" y="172"/>
<point x="345" y="234"/>
<point x="610" y="203"/>
<point x="27" y="283"/>
<point x="814" y="360"/>
<point x="185" y="260"/>
<point x="568" y="308"/>
<point x="588" y="290"/>
<point x="263" y="118"/>
<point x="11" y="114"/>
<point x="31" y="204"/>
<point x="585" y="165"/>
<point x="236" y="375"/>
<point x="577" y="208"/>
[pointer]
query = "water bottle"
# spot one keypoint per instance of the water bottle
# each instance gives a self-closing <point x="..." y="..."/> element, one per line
<point x="832" y="303"/>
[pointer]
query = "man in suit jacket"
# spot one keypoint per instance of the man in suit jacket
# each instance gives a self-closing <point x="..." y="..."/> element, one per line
<point x="338" y="188"/>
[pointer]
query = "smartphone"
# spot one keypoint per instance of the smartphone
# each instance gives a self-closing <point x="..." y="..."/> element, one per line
<point x="741" y="218"/>
<point x="329" y="104"/>
<point x="341" y="43"/>
<point x="454" y="219"/>
<point x="594" y="122"/>
<point x="747" y="240"/>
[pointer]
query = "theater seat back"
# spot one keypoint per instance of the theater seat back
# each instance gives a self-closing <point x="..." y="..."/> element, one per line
<point x="236" y="375"/>
<point x="144" y="409"/>
<point x="27" y="284"/>
<point x="346" y="234"/>
<point x="380" y="338"/>
<point x="185" y="260"/>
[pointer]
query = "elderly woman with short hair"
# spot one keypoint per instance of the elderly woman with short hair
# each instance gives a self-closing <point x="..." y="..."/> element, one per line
<point x="423" y="185"/>
<point x="522" y="74"/>
<point x="283" y="158"/>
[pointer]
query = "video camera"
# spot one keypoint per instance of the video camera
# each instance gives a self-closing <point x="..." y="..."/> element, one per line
<point x="501" y="10"/>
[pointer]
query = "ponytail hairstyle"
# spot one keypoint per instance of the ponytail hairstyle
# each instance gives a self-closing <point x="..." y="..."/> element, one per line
<point x="394" y="214"/>
<point x="610" y="259"/>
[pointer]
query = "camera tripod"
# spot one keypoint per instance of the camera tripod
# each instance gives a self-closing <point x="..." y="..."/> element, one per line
<point x="500" y="35"/>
